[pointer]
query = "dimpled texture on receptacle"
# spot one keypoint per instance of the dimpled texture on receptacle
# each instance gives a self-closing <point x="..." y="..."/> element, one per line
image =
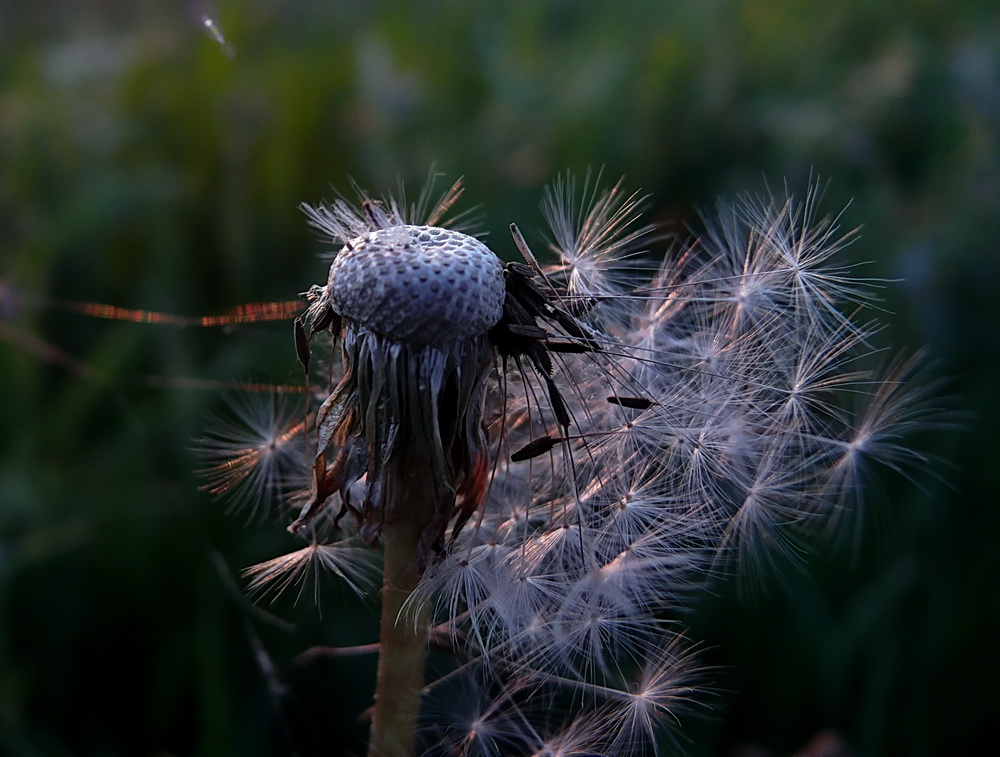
<point x="418" y="284"/>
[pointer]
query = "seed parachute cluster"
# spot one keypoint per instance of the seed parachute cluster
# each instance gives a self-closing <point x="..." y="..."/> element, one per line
<point x="605" y="432"/>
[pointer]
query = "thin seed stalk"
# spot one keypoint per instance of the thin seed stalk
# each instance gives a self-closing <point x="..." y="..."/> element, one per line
<point x="403" y="635"/>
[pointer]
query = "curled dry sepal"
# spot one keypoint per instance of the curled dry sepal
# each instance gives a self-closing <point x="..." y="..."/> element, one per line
<point x="600" y="434"/>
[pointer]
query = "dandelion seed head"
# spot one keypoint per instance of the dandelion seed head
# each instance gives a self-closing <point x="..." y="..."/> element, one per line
<point x="412" y="305"/>
<point x="603" y="437"/>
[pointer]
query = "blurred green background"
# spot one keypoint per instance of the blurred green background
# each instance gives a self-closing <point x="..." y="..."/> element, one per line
<point x="144" y="164"/>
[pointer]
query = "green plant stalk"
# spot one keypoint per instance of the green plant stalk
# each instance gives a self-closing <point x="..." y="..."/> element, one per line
<point x="403" y="635"/>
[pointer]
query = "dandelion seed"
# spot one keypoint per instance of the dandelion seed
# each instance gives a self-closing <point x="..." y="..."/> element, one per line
<point x="350" y="561"/>
<point x="595" y="235"/>
<point x="253" y="454"/>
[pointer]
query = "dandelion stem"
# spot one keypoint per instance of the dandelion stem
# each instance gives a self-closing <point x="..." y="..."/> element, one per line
<point x="403" y="636"/>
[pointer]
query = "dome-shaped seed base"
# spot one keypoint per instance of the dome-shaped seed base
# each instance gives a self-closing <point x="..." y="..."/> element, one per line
<point x="419" y="284"/>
